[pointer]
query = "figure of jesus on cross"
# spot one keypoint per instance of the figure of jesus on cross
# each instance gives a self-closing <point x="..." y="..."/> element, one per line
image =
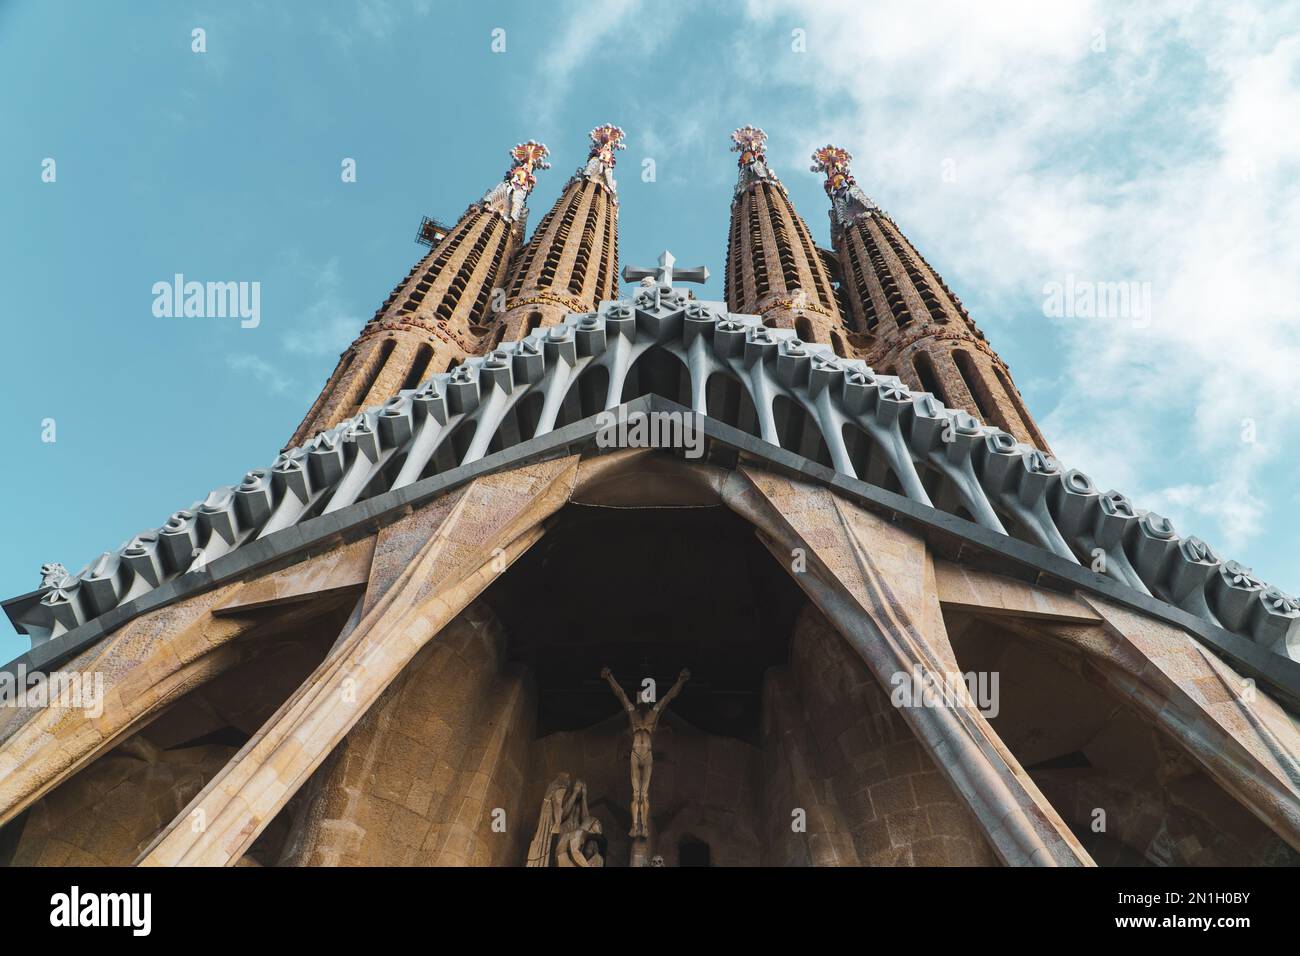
<point x="644" y="719"/>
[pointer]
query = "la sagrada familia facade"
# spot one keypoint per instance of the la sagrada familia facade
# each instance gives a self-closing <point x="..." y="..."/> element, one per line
<point x="558" y="573"/>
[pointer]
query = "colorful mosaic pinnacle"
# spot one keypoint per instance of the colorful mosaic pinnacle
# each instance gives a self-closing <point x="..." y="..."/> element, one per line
<point x="527" y="156"/>
<point x="605" y="140"/>
<point x="834" y="162"/>
<point x="750" y="142"/>
<point x="848" y="202"/>
<point x="509" y="197"/>
<point x="599" y="168"/>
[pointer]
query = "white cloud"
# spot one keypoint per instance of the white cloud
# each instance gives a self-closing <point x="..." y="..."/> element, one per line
<point x="327" y="325"/>
<point x="585" y="31"/>
<point x="1171" y="158"/>
<point x="261" y="370"/>
<point x="591" y="40"/>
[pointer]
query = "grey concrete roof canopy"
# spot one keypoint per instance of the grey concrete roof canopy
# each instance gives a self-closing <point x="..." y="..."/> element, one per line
<point x="938" y="458"/>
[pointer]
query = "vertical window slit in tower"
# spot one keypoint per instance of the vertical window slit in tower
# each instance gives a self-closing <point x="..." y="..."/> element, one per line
<point x="922" y="286"/>
<point x="731" y="276"/>
<point x="837" y="343"/>
<point x="580" y="256"/>
<point x="784" y="245"/>
<point x="784" y="252"/>
<point x="556" y="250"/>
<point x="797" y="252"/>
<point x="842" y="303"/>
<point x="534" y="323"/>
<point x="893" y="296"/>
<point x="372" y="374"/>
<point x="815" y="264"/>
<point x="464" y="275"/>
<point x="928" y="377"/>
<point x="757" y="257"/>
<point x="452" y="364"/>
<point x="603" y="290"/>
<point x="735" y="265"/>
<point x="489" y="279"/>
<point x="979" y="391"/>
<point x="586" y="243"/>
<point x="423" y="356"/>
<point x="445" y="249"/>
<point x="737" y="284"/>
<point x="803" y="328"/>
<point x="869" y="317"/>
<point x="530" y="252"/>
<point x="611" y="244"/>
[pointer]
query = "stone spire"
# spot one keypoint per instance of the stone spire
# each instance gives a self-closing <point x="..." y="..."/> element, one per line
<point x="773" y="267"/>
<point x="433" y="318"/>
<point x="911" y="323"/>
<point x="571" y="262"/>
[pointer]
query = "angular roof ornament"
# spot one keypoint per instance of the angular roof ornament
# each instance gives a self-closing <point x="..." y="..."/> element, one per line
<point x="751" y="143"/>
<point x="509" y="197"/>
<point x="848" y="202"/>
<point x="605" y="141"/>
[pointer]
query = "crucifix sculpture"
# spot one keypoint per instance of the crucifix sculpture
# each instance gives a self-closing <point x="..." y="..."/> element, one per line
<point x="665" y="273"/>
<point x="644" y="719"/>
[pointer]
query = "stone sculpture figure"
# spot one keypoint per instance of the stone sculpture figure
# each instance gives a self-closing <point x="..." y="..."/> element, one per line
<point x="557" y="818"/>
<point x="584" y="846"/>
<point x="644" y="719"/>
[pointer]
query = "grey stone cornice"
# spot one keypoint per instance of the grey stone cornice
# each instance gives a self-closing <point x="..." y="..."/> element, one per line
<point x="941" y="461"/>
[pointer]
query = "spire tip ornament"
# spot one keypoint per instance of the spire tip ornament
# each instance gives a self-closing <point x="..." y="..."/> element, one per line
<point x="509" y="197"/>
<point x="751" y="143"/>
<point x="848" y="201"/>
<point x="606" y="139"/>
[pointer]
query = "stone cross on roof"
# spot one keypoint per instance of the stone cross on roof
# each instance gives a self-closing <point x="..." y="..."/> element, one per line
<point x="665" y="273"/>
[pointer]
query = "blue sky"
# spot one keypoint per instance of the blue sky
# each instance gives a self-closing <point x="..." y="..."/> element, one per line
<point x="1158" y="146"/>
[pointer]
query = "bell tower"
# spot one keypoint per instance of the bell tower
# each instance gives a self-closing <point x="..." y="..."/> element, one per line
<point x="914" y="326"/>
<point x="774" y="269"/>
<point x="571" y="262"/>
<point x="430" y="321"/>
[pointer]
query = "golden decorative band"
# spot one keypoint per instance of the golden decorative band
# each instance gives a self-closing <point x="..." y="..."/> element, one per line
<point x="796" y="306"/>
<point x="549" y="298"/>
